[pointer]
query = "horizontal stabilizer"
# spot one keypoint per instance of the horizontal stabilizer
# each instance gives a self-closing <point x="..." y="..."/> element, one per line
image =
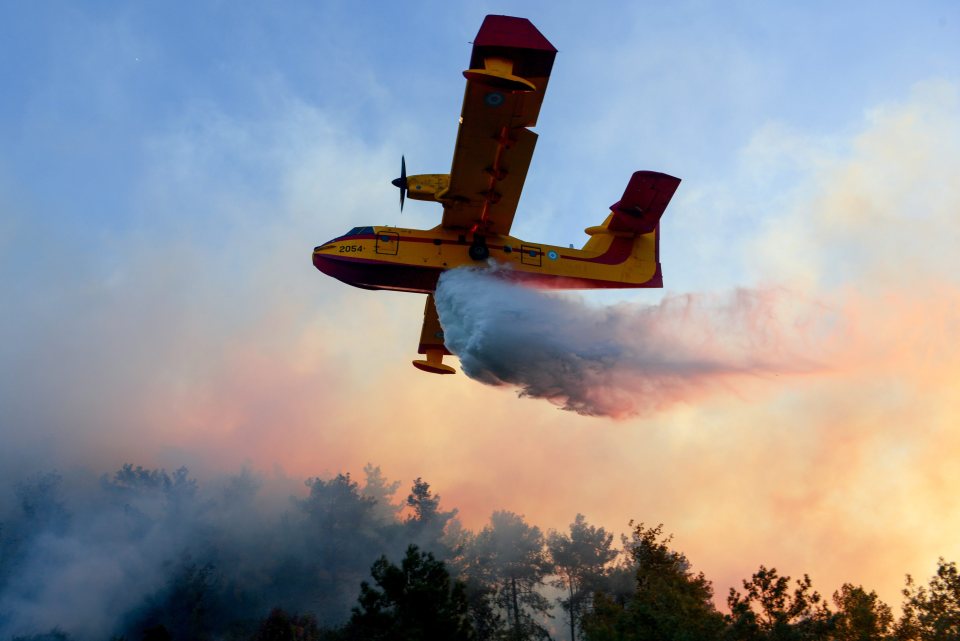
<point x="644" y="200"/>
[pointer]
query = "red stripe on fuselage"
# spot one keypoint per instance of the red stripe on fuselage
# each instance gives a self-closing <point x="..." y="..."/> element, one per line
<point x="619" y="250"/>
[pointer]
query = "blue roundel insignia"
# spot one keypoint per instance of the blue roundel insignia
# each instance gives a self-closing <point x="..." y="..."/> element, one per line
<point x="494" y="99"/>
<point x="552" y="255"/>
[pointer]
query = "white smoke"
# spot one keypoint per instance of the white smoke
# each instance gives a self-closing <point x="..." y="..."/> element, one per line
<point x="621" y="360"/>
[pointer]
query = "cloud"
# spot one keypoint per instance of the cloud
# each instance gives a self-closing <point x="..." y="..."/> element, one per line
<point x="876" y="212"/>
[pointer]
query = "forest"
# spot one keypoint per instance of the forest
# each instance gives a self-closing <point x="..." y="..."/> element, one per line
<point x="148" y="555"/>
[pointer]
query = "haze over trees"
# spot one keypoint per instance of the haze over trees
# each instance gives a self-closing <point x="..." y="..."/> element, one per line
<point x="145" y="554"/>
<point x="580" y="561"/>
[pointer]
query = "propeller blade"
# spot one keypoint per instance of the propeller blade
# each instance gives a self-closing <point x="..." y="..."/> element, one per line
<point x="401" y="182"/>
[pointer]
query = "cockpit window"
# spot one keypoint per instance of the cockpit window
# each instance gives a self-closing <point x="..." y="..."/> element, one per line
<point x="359" y="231"/>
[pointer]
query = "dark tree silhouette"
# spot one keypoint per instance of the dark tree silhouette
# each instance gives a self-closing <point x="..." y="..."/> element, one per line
<point x="427" y="522"/>
<point x="414" y="602"/>
<point x="280" y="626"/>
<point x="669" y="603"/>
<point x="209" y="565"/>
<point x="770" y="611"/>
<point x="860" y="616"/>
<point x="932" y="612"/>
<point x="188" y="607"/>
<point x="156" y="632"/>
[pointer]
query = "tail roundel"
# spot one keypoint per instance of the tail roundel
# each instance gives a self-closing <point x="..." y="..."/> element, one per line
<point x="643" y="202"/>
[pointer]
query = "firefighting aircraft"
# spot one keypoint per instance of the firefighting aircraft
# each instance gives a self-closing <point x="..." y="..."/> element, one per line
<point x="506" y="82"/>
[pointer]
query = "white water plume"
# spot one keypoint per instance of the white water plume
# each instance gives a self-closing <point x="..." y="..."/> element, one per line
<point x="620" y="360"/>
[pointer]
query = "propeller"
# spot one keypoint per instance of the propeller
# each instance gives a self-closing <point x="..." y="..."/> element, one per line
<point x="401" y="182"/>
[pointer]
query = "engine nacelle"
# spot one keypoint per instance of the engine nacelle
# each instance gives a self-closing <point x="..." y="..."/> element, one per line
<point x="427" y="186"/>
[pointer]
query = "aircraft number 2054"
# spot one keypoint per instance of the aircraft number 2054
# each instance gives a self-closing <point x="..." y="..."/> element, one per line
<point x="348" y="249"/>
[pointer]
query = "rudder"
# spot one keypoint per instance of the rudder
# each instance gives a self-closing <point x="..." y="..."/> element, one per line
<point x="643" y="202"/>
<point x="638" y="211"/>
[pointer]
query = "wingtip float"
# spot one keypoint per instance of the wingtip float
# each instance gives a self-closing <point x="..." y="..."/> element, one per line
<point x="506" y="81"/>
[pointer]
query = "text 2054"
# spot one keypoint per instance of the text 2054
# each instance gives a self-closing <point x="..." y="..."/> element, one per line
<point x="349" y="249"/>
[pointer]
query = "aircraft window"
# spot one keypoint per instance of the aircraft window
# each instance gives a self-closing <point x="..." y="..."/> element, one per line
<point x="507" y="249"/>
<point x="357" y="231"/>
<point x="532" y="252"/>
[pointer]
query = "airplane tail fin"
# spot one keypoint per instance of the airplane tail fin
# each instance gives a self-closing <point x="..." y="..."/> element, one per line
<point x="638" y="211"/>
<point x="643" y="202"/>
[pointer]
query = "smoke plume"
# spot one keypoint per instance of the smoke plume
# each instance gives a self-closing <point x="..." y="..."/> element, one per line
<point x="115" y="556"/>
<point x="621" y="360"/>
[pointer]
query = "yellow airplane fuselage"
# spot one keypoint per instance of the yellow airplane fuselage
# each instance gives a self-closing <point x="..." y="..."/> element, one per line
<point x="411" y="260"/>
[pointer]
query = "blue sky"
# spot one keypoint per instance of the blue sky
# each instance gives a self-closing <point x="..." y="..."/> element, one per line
<point x="678" y="87"/>
<point x="166" y="169"/>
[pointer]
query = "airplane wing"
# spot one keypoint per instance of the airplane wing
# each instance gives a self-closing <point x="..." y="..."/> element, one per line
<point x="506" y="82"/>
